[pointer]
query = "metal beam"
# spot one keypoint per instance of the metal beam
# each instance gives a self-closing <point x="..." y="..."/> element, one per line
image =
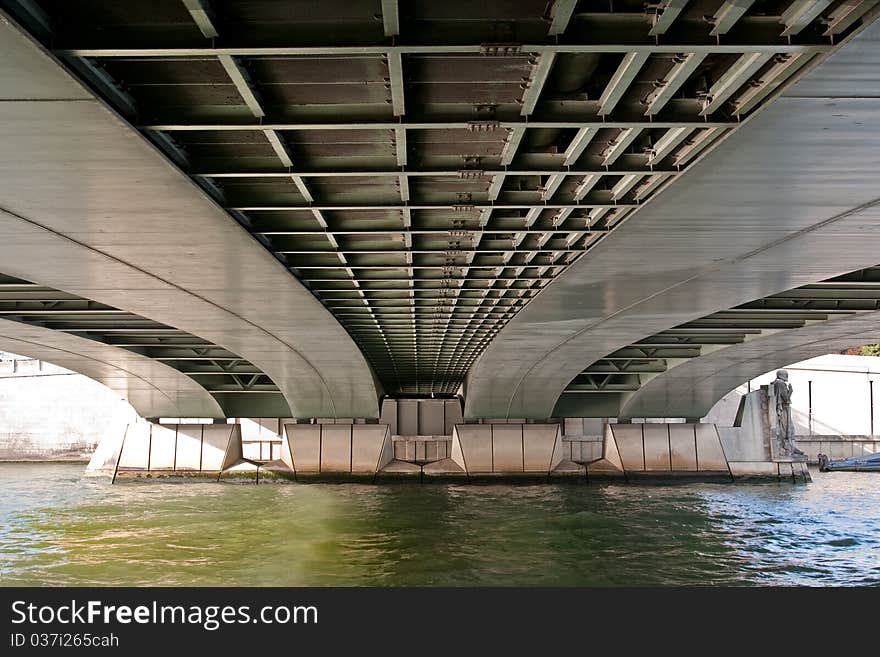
<point x="431" y="173"/>
<point x="552" y="184"/>
<point x="579" y="144"/>
<point x="683" y="67"/>
<point x="199" y="11"/>
<point x="801" y="13"/>
<point x="540" y="73"/>
<point x="621" y="80"/>
<point x="667" y="143"/>
<point x="670" y="11"/>
<point x="239" y="78"/>
<point x="784" y="66"/>
<point x="624" y="185"/>
<point x="586" y="185"/>
<point x="476" y="49"/>
<point x="432" y="125"/>
<point x="280" y="149"/>
<point x="390" y="18"/>
<point x="649" y="185"/>
<point x="424" y="206"/>
<point x="561" y="14"/>
<point x="694" y="144"/>
<point x="395" y="75"/>
<point x="619" y="145"/>
<point x="847" y="13"/>
<point x="728" y="14"/>
<point x="732" y="79"/>
<point x="444" y="232"/>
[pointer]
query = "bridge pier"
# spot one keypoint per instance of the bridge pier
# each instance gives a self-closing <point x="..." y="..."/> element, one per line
<point x="399" y="447"/>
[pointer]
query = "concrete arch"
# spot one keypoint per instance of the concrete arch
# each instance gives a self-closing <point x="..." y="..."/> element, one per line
<point x="90" y="207"/>
<point x="693" y="387"/>
<point x="152" y="388"/>
<point x="766" y="211"/>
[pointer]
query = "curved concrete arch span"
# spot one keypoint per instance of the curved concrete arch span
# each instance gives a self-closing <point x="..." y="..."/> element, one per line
<point x="788" y="199"/>
<point x="152" y="388"/>
<point x="91" y="208"/>
<point x="693" y="387"/>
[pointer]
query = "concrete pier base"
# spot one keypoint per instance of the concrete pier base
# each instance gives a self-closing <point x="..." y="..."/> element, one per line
<point x="489" y="451"/>
<point x="150" y="450"/>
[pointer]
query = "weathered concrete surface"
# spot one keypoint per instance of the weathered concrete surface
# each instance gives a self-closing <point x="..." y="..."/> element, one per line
<point x="148" y="449"/>
<point x="788" y="199"/>
<point x="88" y="206"/>
<point x="339" y="449"/>
<point x="421" y="417"/>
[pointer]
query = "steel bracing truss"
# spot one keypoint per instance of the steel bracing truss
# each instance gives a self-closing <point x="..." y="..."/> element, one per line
<point x="426" y="169"/>
<point x="624" y="370"/>
<point x="222" y="373"/>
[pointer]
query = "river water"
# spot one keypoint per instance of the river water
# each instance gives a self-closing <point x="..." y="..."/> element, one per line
<point x="57" y="528"/>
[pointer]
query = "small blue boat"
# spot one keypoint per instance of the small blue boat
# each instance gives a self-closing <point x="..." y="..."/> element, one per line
<point x="868" y="463"/>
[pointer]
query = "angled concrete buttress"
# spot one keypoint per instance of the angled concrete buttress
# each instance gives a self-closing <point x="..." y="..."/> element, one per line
<point x="692" y="388"/>
<point x="88" y="206"/>
<point x="151" y="387"/>
<point x="788" y="199"/>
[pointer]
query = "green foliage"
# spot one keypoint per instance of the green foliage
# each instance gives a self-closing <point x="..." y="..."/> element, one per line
<point x="871" y="350"/>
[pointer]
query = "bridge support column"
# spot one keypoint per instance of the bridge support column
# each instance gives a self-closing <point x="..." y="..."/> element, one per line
<point x="576" y="448"/>
<point x="151" y="450"/>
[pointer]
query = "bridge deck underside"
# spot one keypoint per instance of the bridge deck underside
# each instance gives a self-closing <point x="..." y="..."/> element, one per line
<point x="658" y="375"/>
<point x="428" y="169"/>
<point x="239" y="387"/>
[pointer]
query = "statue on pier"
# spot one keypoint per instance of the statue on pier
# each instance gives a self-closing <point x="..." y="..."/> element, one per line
<point x="782" y="390"/>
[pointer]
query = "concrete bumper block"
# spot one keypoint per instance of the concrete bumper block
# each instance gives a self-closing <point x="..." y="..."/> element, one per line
<point x="630" y="446"/>
<point x="163" y="447"/>
<point x="149" y="449"/>
<point x="336" y="448"/>
<point x="683" y="447"/>
<point x="542" y="447"/>
<point x="339" y="449"/>
<point x="217" y="437"/>
<point x="188" y="456"/>
<point x="472" y="447"/>
<point x="371" y="448"/>
<point x="135" y="447"/>
<point x="710" y="454"/>
<point x="507" y="449"/>
<point x="656" y="441"/>
<point x="305" y="446"/>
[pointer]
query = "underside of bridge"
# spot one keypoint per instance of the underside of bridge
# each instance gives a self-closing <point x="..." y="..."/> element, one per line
<point x="655" y="377"/>
<point x="427" y="169"/>
<point x="239" y="387"/>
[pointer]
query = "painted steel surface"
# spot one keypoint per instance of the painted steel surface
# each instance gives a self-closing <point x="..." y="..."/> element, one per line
<point x="151" y="387"/>
<point x="790" y="198"/>
<point x="88" y="206"/>
<point x="692" y="388"/>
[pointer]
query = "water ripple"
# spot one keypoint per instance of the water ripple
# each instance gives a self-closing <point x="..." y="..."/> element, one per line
<point x="58" y="529"/>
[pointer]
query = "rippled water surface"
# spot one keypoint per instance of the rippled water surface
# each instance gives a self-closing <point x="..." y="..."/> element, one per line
<point x="57" y="528"/>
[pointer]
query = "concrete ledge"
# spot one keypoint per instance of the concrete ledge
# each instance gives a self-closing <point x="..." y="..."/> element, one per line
<point x="777" y="471"/>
